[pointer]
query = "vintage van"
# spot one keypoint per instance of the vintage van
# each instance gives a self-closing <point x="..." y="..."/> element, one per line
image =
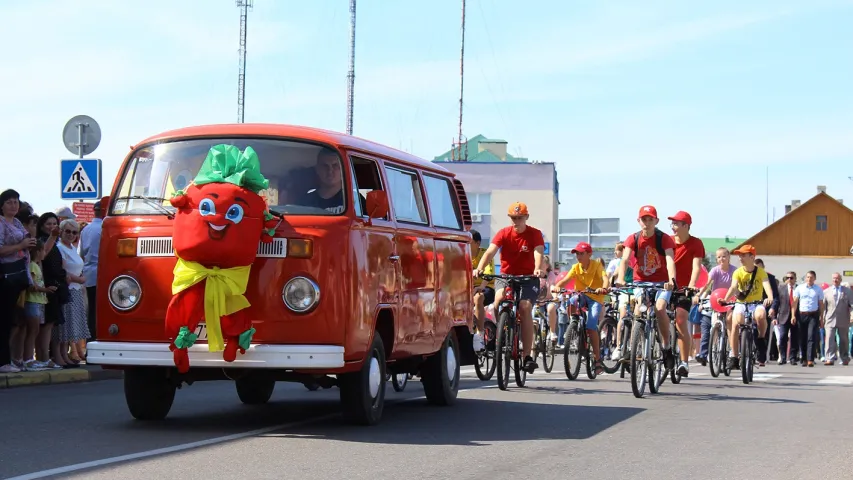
<point x="369" y="271"/>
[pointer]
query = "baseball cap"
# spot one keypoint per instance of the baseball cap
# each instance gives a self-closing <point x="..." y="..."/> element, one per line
<point x="744" y="249"/>
<point x="65" y="212"/>
<point x="682" y="216"/>
<point x="648" y="211"/>
<point x="517" y="208"/>
<point x="582" y="247"/>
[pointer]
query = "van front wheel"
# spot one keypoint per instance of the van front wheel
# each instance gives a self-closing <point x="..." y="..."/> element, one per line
<point x="440" y="373"/>
<point x="363" y="392"/>
<point x="148" y="392"/>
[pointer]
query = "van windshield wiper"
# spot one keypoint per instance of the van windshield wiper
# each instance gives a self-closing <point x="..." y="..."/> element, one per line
<point x="153" y="202"/>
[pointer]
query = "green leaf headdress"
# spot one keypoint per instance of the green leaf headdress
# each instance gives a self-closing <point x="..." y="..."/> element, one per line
<point x="227" y="164"/>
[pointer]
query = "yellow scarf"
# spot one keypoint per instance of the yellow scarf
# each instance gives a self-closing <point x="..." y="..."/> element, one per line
<point x="223" y="294"/>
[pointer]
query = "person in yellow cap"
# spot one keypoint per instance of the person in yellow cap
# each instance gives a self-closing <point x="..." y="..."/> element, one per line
<point x="750" y="282"/>
<point x="522" y="248"/>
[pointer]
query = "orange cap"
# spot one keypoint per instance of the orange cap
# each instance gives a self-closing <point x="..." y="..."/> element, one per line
<point x="744" y="249"/>
<point x="517" y="209"/>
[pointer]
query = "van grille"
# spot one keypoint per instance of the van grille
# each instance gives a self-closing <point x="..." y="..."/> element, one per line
<point x="162" y="247"/>
<point x="463" y="202"/>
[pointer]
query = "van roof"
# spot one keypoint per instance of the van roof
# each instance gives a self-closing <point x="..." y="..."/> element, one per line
<point x="298" y="132"/>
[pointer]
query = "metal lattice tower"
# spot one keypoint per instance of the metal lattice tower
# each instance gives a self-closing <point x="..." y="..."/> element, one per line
<point x="351" y="73"/>
<point x="462" y="87"/>
<point x="245" y="6"/>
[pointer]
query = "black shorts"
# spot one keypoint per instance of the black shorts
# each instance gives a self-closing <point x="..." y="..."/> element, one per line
<point x="529" y="288"/>
<point x="680" y="300"/>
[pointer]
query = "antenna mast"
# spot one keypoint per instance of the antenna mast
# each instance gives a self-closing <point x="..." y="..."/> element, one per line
<point x="351" y="74"/>
<point x="462" y="86"/>
<point x="245" y="6"/>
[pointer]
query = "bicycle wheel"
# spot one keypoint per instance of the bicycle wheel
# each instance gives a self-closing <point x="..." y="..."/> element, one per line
<point x="626" y="347"/>
<point x="716" y="351"/>
<point x="745" y="355"/>
<point x="550" y="353"/>
<point x="657" y="371"/>
<point x="674" y="376"/>
<point x="518" y="360"/>
<point x="399" y="381"/>
<point x="572" y="352"/>
<point x="607" y="345"/>
<point x="503" y="348"/>
<point x="590" y="358"/>
<point x="486" y="360"/>
<point x="639" y="366"/>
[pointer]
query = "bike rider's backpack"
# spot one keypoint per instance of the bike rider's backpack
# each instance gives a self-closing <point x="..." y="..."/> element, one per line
<point x="658" y="244"/>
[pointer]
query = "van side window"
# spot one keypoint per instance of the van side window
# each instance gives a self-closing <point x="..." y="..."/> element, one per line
<point x="405" y="191"/>
<point x="366" y="179"/>
<point x="442" y="203"/>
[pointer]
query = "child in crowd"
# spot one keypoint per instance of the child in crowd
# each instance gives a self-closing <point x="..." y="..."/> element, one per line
<point x="33" y="314"/>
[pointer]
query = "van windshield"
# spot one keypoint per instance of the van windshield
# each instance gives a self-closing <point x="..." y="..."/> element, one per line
<point x="304" y="179"/>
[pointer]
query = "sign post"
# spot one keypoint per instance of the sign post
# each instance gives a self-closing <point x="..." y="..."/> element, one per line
<point x="80" y="178"/>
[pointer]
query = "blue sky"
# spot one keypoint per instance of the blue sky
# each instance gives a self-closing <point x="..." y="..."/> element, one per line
<point x="679" y="104"/>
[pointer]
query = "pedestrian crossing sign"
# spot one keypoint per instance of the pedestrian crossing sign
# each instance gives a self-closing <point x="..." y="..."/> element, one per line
<point x="80" y="179"/>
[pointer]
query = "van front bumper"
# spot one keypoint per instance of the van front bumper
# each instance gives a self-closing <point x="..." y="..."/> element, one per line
<point x="257" y="356"/>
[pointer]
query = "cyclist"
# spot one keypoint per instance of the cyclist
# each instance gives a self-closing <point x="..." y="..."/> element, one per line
<point x="549" y="310"/>
<point x="522" y="248"/>
<point x="484" y="292"/>
<point x="748" y="281"/>
<point x="590" y="274"/>
<point x="654" y="262"/>
<point x="624" y="298"/>
<point x="719" y="277"/>
<point x="689" y="252"/>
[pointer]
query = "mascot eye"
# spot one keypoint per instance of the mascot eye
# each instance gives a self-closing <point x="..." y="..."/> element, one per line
<point x="206" y="207"/>
<point x="235" y="213"/>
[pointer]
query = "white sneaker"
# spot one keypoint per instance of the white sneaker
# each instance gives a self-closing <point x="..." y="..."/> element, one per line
<point x="478" y="342"/>
<point x="552" y="337"/>
<point x="9" y="368"/>
<point x="617" y="354"/>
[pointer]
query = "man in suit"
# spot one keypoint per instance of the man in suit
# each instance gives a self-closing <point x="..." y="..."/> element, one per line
<point x="763" y="343"/>
<point x="838" y="302"/>
<point x="782" y="321"/>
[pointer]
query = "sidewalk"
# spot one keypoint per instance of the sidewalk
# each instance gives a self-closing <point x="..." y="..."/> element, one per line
<point x="86" y="373"/>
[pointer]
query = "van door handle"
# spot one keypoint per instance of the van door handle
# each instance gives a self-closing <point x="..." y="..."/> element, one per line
<point x="394" y="258"/>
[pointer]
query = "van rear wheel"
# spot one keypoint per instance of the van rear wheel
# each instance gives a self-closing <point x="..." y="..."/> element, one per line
<point x="253" y="390"/>
<point x="440" y="373"/>
<point x="363" y="392"/>
<point x="148" y="392"/>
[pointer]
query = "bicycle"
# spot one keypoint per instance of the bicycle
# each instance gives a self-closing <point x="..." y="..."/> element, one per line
<point x="674" y="376"/>
<point x="577" y="343"/>
<point x="646" y="346"/>
<point x="485" y="364"/>
<point x="748" y="350"/>
<point x="718" y="346"/>
<point x="542" y="331"/>
<point x="508" y="345"/>
<point x="624" y="325"/>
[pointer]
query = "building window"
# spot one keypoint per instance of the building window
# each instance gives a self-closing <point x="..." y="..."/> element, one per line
<point x="480" y="203"/>
<point x="821" y="223"/>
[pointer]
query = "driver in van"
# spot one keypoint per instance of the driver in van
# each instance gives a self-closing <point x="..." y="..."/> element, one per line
<point x="329" y="194"/>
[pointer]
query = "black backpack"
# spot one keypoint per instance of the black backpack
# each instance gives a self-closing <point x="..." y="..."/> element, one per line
<point x="658" y="244"/>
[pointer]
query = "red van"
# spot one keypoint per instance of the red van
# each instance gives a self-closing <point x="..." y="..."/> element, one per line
<point x="372" y="279"/>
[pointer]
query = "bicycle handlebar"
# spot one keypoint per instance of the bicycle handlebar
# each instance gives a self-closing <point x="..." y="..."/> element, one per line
<point x="727" y="304"/>
<point x="517" y="278"/>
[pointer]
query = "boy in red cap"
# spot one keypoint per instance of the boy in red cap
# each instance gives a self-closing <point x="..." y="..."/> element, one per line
<point x="588" y="274"/>
<point x="688" y="254"/>
<point x="522" y="248"/>
<point x="654" y="252"/>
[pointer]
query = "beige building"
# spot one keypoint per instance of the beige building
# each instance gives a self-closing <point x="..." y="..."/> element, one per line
<point x="495" y="179"/>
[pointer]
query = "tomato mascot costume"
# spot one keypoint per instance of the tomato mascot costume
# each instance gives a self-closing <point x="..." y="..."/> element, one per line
<point x="219" y="222"/>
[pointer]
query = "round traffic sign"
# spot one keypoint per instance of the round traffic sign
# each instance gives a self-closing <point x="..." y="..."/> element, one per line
<point x="91" y="135"/>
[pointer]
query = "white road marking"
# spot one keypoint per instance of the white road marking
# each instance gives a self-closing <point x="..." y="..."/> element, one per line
<point x="763" y="377"/>
<point x="837" y="380"/>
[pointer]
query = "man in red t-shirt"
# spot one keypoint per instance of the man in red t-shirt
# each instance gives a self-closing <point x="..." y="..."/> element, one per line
<point x="689" y="252"/>
<point x="652" y="264"/>
<point x="522" y="248"/>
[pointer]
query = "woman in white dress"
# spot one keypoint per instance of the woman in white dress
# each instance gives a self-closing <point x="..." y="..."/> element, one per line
<point x="74" y="332"/>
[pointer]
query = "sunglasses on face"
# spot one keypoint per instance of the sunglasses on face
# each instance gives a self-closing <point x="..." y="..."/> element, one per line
<point x="70" y="232"/>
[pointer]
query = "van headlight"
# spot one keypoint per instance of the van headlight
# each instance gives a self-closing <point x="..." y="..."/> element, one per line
<point x="300" y="294"/>
<point x="125" y="293"/>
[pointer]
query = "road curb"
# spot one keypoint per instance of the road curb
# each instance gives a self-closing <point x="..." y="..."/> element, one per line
<point x="52" y="377"/>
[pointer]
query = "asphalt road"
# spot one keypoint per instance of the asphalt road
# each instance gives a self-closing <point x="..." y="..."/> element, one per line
<point x="788" y="424"/>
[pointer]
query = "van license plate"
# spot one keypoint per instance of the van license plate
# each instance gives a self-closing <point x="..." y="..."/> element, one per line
<point x="201" y="331"/>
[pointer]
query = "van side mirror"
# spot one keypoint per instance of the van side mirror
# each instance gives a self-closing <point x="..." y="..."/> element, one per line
<point x="377" y="204"/>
